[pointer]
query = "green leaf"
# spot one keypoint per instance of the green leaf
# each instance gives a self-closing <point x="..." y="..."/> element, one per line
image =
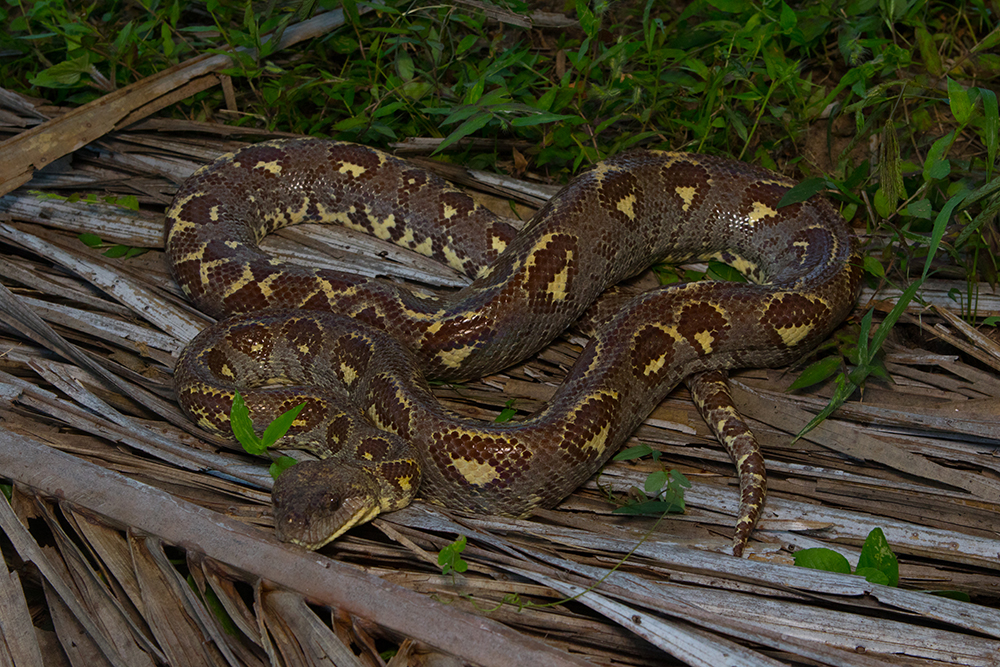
<point x="958" y="98"/>
<point x="873" y="575"/>
<point x="990" y="133"/>
<point x="476" y="122"/>
<point x="507" y="413"/>
<point x="940" y="225"/>
<point x="936" y="166"/>
<point x="239" y="421"/>
<point x="815" y="373"/>
<point x="280" y="465"/>
<point x="804" y="190"/>
<point x="877" y="554"/>
<point x="874" y="267"/>
<point x="920" y="209"/>
<point x="64" y="74"/>
<point x="883" y="206"/>
<point x="992" y="321"/>
<point x="822" y="559"/>
<point x="276" y="429"/>
<point x="655" y="481"/>
<point x="651" y="508"/>
<point x="633" y="453"/>
<point x="91" y="240"/>
<point x="539" y="119"/>
<point x="952" y="595"/>
<point x="116" y="251"/>
<point x="449" y="558"/>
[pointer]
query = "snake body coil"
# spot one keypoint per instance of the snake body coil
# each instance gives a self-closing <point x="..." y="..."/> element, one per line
<point x="372" y="420"/>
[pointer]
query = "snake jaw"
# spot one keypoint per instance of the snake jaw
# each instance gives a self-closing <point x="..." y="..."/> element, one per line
<point x="317" y="501"/>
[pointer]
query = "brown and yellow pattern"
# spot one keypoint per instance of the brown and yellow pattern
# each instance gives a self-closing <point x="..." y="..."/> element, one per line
<point x="381" y="435"/>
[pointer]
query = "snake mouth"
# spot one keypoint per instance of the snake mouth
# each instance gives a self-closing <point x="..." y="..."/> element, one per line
<point x="320" y="531"/>
<point x="315" y="502"/>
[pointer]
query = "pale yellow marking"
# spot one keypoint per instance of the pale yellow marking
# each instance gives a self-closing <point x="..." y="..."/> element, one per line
<point x="655" y="365"/>
<point x="213" y="214"/>
<point x="600" y="440"/>
<point x="405" y="482"/>
<point x="761" y="211"/>
<point x="265" y="285"/>
<point x="475" y="473"/>
<point x="705" y="339"/>
<point x="791" y="335"/>
<point x="450" y="212"/>
<point x="557" y="287"/>
<point x="271" y="166"/>
<point x="227" y="371"/>
<point x="373" y="416"/>
<point x="498" y="244"/>
<point x="205" y="266"/>
<point x="530" y="262"/>
<point x="425" y="248"/>
<point x="744" y="266"/>
<point x="338" y="217"/>
<point x="232" y="245"/>
<point x="687" y="194"/>
<point x="295" y="217"/>
<point x="455" y="358"/>
<point x="354" y="170"/>
<point x="627" y="206"/>
<point x="349" y="373"/>
<point x="453" y="260"/>
<point x="380" y="228"/>
<point x="245" y="279"/>
<point x="407" y="238"/>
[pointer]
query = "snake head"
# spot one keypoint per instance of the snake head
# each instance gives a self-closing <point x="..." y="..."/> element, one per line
<point x="315" y="502"/>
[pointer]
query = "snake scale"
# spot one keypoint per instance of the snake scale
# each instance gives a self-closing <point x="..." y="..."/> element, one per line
<point x="357" y="350"/>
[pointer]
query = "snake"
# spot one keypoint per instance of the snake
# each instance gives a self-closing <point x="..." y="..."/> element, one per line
<point x="357" y="352"/>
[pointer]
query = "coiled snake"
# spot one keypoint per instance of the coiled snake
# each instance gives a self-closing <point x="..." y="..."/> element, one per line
<point x="370" y="417"/>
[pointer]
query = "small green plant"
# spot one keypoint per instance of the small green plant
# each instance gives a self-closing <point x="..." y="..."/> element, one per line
<point x="877" y="563"/>
<point x="507" y="413"/>
<point x="242" y="425"/>
<point x="450" y="557"/>
<point x="113" y="250"/>
<point x="663" y="490"/>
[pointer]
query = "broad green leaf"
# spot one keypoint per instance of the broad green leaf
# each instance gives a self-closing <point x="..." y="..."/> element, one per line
<point x="116" y="251"/>
<point x="804" y="190"/>
<point x="280" y="465"/>
<point x="958" y="98"/>
<point x="651" y="508"/>
<point x="633" y="453"/>
<point x="239" y="421"/>
<point x="883" y="206"/>
<point x="991" y="127"/>
<point x="929" y="51"/>
<point x="940" y="225"/>
<point x="874" y="267"/>
<point x="822" y="559"/>
<point x="877" y="554"/>
<point x="952" y="595"/>
<point x="815" y="373"/>
<point x="476" y="122"/>
<point x="276" y="429"/>
<point x="920" y="209"/>
<point x="540" y="118"/>
<point x="873" y="575"/>
<point x="936" y="166"/>
<point x="90" y="240"/>
<point x="655" y="481"/>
